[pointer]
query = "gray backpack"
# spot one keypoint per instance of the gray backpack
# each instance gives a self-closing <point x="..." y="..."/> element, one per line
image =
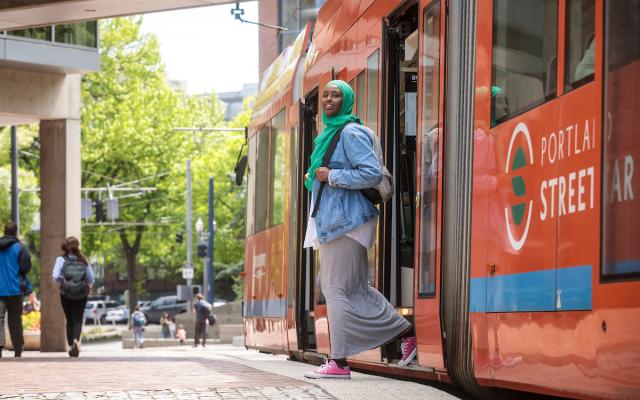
<point x="74" y="275"/>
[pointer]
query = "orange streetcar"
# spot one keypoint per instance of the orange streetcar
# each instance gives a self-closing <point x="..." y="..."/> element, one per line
<point x="510" y="127"/>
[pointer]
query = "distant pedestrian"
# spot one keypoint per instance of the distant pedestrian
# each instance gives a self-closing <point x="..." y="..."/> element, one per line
<point x="33" y="304"/>
<point x="75" y="275"/>
<point x="165" y="323"/>
<point x="138" y="321"/>
<point x="15" y="263"/>
<point x="201" y="309"/>
<point x="172" y="327"/>
<point x="181" y="334"/>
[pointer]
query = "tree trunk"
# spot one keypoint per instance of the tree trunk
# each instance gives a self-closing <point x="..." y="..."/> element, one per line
<point x="131" y="254"/>
<point x="132" y="279"/>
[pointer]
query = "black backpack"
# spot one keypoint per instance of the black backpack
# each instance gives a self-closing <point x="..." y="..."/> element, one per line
<point x="74" y="275"/>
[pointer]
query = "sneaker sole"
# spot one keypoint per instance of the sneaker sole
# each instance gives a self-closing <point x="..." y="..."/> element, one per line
<point x="313" y="375"/>
<point x="407" y="361"/>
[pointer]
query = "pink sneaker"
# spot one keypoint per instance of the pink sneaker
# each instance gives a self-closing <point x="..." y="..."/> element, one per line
<point x="329" y="370"/>
<point x="409" y="351"/>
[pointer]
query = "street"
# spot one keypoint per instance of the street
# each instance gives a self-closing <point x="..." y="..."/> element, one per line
<point x="106" y="371"/>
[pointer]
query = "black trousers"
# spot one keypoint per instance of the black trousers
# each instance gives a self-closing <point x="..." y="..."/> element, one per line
<point x="201" y="332"/>
<point x="74" y="313"/>
<point x="13" y="306"/>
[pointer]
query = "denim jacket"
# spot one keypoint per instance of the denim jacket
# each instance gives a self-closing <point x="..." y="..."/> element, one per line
<point x="353" y="166"/>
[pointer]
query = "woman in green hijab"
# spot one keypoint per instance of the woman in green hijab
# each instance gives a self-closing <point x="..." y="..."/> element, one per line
<point x="344" y="228"/>
<point x="337" y="107"/>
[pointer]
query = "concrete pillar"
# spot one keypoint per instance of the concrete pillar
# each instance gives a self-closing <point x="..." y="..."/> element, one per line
<point x="60" y="216"/>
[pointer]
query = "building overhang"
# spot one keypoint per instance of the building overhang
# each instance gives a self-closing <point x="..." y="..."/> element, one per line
<point x="36" y="55"/>
<point x="17" y="14"/>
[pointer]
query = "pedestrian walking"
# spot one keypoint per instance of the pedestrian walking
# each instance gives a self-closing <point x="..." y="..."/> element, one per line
<point x="15" y="263"/>
<point x="165" y="323"/>
<point x="201" y="309"/>
<point x="138" y="321"/>
<point x="343" y="227"/>
<point x="75" y="276"/>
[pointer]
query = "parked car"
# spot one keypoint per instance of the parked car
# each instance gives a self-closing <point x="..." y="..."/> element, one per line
<point x="168" y="304"/>
<point x="96" y="310"/>
<point x="144" y="303"/>
<point x="119" y="314"/>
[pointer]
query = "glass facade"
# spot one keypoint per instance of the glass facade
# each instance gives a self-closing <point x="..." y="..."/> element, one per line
<point x="44" y="33"/>
<point x="80" y="34"/>
<point x="294" y="15"/>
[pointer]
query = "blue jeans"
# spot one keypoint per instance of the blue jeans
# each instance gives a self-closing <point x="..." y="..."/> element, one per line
<point x="138" y="336"/>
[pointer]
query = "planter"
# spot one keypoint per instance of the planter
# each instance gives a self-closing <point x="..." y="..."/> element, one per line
<point x="31" y="340"/>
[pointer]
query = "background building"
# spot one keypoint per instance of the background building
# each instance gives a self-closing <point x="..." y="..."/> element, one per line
<point x="233" y="101"/>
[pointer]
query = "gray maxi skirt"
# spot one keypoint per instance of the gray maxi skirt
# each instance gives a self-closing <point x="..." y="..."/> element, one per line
<point x="360" y="317"/>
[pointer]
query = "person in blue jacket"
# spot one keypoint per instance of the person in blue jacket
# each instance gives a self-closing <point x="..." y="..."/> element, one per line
<point x="15" y="263"/>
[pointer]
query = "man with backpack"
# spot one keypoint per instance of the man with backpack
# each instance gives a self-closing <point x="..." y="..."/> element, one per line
<point x="15" y="263"/>
<point x="138" y="321"/>
<point x="75" y="275"/>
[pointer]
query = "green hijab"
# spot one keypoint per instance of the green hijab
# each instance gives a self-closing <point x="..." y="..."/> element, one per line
<point x="331" y="126"/>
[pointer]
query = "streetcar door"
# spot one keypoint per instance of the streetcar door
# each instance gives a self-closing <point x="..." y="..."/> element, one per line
<point x="429" y="185"/>
<point x="307" y="257"/>
<point x="399" y="137"/>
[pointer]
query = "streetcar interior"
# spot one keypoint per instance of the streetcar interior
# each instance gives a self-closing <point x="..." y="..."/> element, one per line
<point x="401" y="107"/>
<point x="307" y="256"/>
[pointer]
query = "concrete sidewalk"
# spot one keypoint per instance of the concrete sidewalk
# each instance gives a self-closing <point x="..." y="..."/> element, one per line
<point x="106" y="371"/>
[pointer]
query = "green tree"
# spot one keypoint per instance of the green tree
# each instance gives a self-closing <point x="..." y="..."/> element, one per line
<point x="129" y="117"/>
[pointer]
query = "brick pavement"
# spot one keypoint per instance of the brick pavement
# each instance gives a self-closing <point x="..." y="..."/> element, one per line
<point x="55" y="376"/>
<point x="275" y="393"/>
<point x="105" y="371"/>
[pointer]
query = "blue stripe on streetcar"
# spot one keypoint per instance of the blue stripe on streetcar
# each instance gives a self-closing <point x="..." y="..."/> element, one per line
<point x="564" y="289"/>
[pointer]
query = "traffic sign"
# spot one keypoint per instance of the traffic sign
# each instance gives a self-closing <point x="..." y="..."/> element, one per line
<point x="187" y="271"/>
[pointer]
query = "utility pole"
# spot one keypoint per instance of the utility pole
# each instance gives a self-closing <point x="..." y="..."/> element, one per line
<point x="189" y="263"/>
<point x="210" y="275"/>
<point x="15" y="206"/>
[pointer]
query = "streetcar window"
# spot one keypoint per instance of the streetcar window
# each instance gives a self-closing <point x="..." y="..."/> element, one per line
<point x="293" y="212"/>
<point x="580" y="43"/>
<point x="261" y="192"/>
<point x="277" y="169"/>
<point x="524" y="55"/>
<point x="360" y="96"/>
<point x="251" y="181"/>
<point x="373" y="70"/>
<point x="621" y="124"/>
<point x="429" y="153"/>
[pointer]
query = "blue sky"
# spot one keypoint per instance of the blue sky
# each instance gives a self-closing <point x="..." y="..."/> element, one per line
<point x="207" y="47"/>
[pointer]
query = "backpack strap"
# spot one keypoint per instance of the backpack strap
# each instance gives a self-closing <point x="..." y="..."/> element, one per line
<point x="325" y="162"/>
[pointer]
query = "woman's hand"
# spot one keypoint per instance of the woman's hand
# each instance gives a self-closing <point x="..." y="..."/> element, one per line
<point x="322" y="174"/>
